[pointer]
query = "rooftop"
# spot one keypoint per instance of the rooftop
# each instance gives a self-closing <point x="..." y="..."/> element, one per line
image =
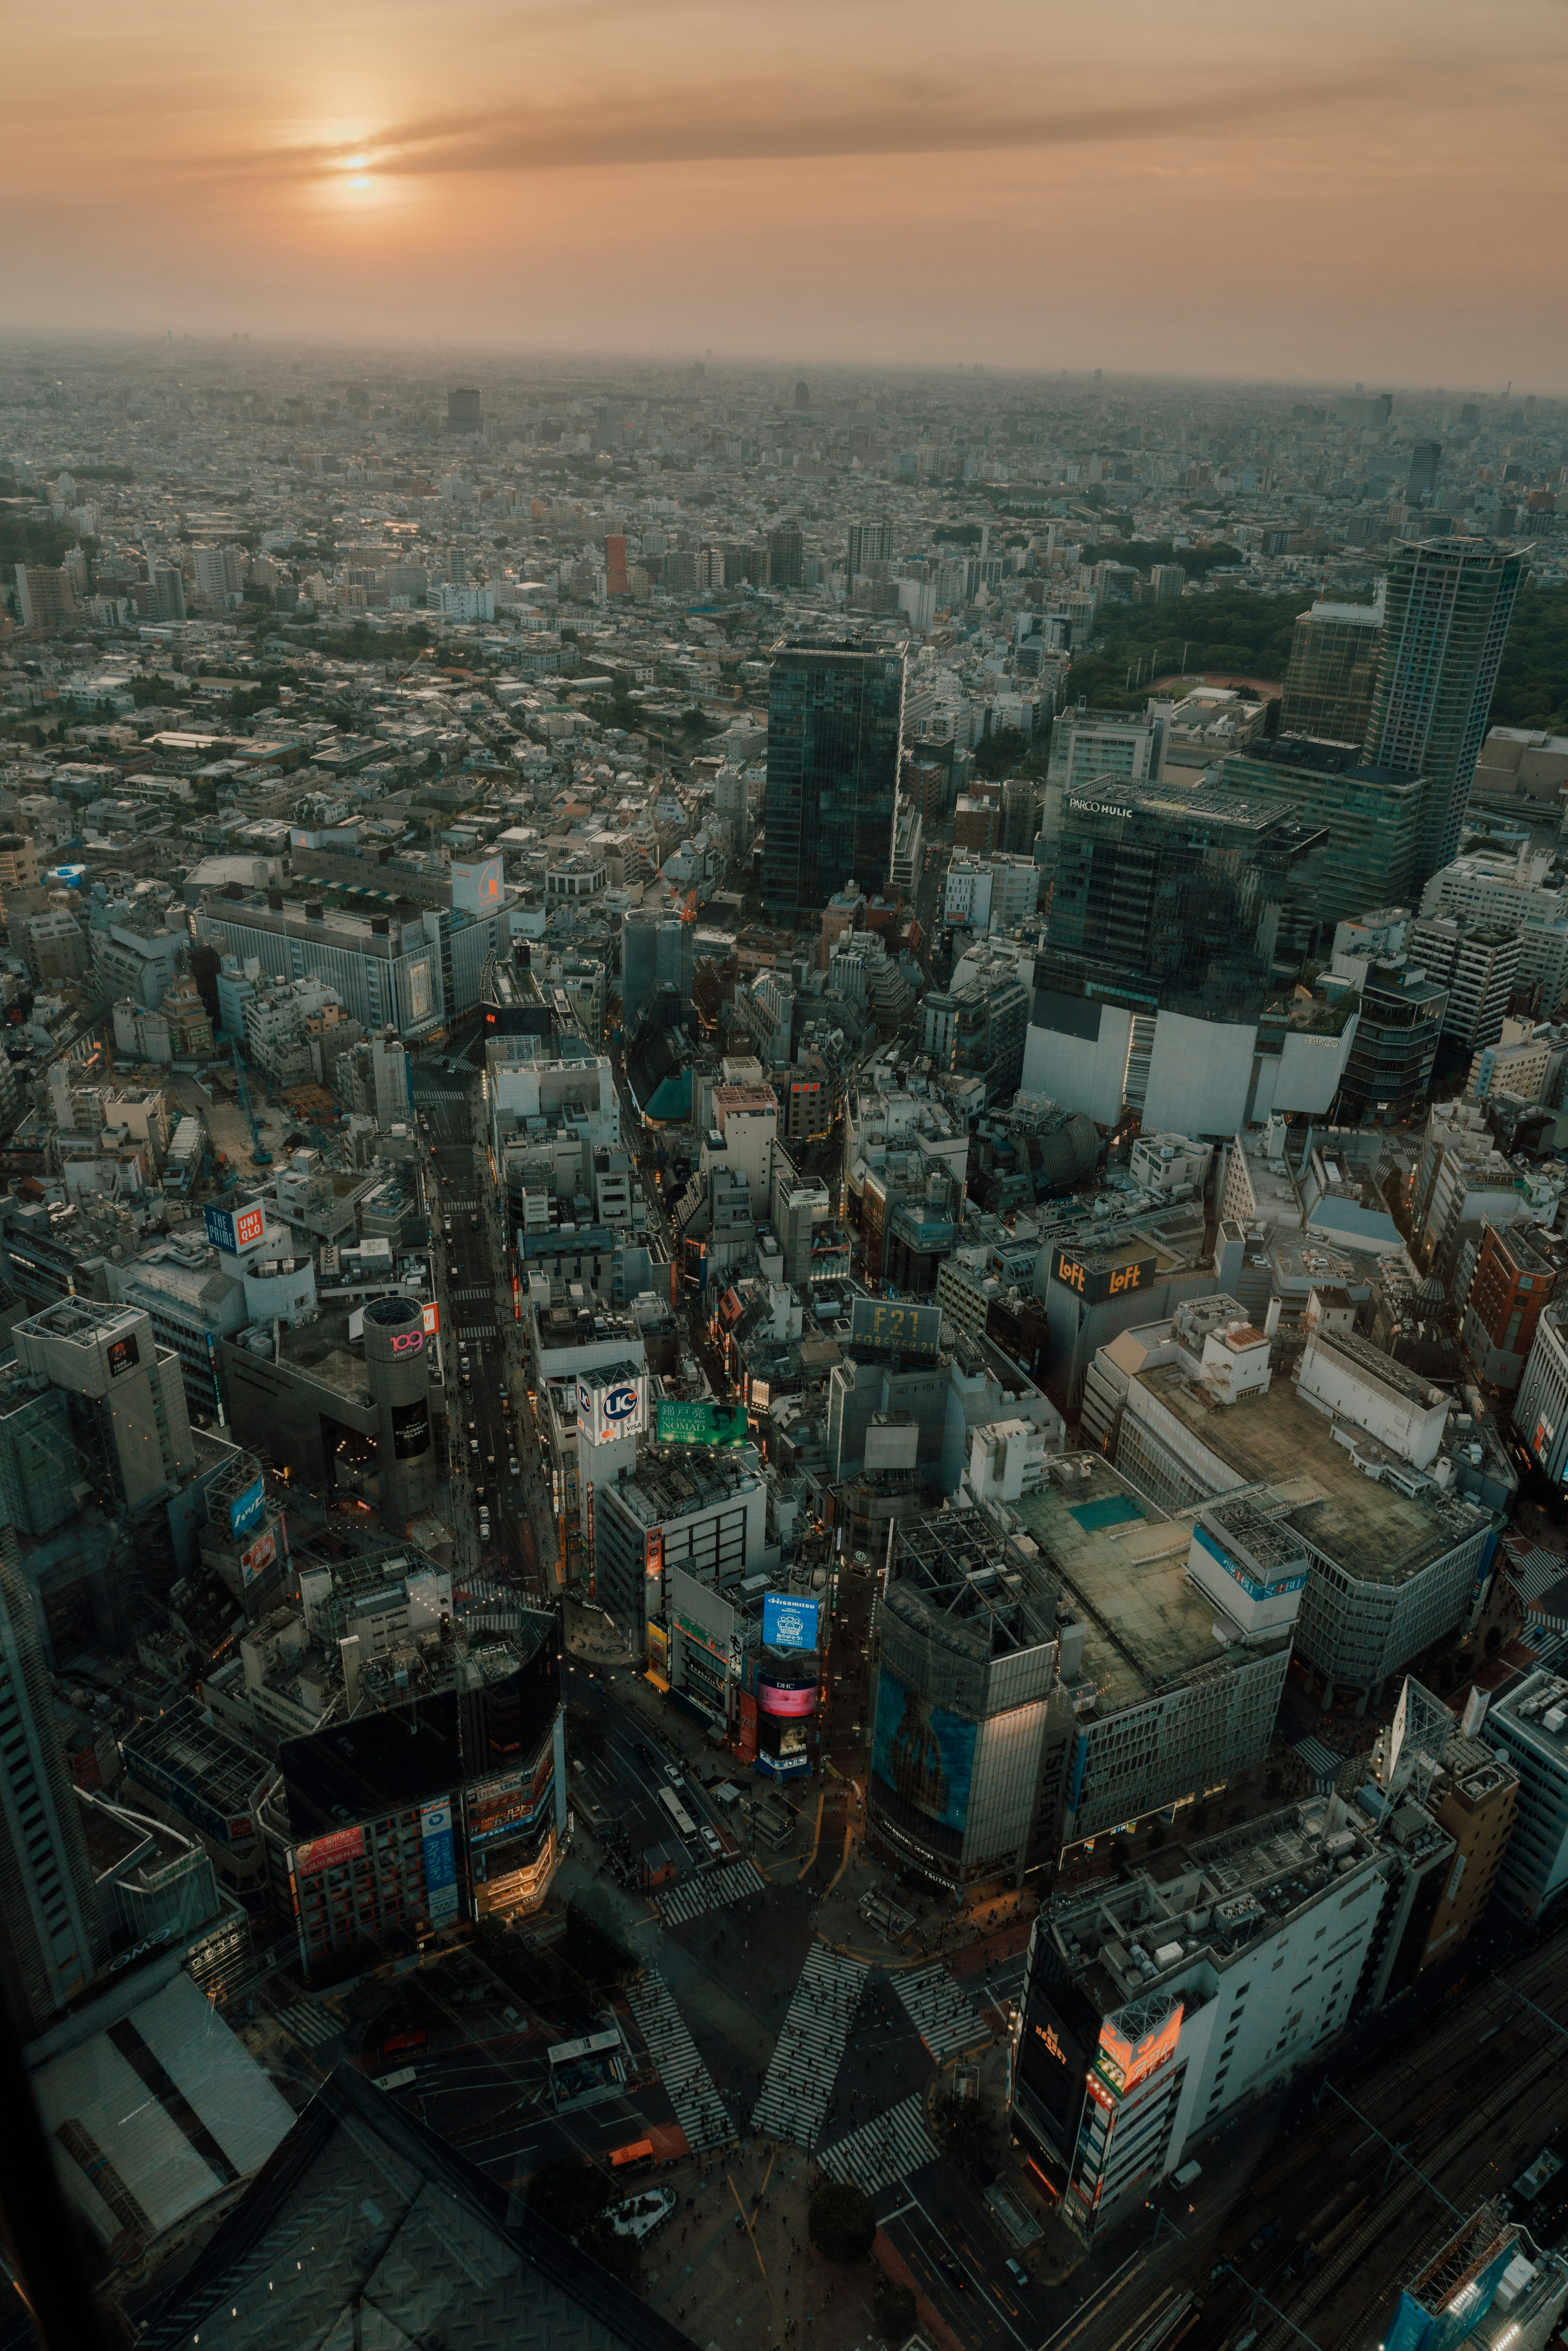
<point x="959" y="1578"/>
<point x="1376" y="1533"/>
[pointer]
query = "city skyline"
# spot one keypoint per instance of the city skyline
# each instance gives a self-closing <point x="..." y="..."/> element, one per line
<point x="1328" y="202"/>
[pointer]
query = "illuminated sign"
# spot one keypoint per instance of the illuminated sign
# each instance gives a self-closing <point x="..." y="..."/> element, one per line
<point x="699" y="1424"/>
<point x="619" y="1404"/>
<point x="408" y="1342"/>
<point x="1121" y="2064"/>
<point x="613" y="1409"/>
<point x="654" y="1551"/>
<point x="123" y="1356"/>
<point x="432" y="1313"/>
<point x="788" y="1623"/>
<point x="1540" y="1443"/>
<point x="259" y="1557"/>
<point x="334" y="1852"/>
<point x="440" y="1863"/>
<point x="1095" y="1284"/>
<point x="1099" y="807"/>
<point x="791" y="1701"/>
<point x="247" y="1509"/>
<point x="410" y="1430"/>
<point x="889" y="1322"/>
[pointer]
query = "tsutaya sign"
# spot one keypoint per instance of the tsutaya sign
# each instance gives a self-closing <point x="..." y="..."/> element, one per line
<point x="1095" y="1284"/>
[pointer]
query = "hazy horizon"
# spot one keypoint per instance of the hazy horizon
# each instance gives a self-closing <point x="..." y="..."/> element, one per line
<point x="1223" y="194"/>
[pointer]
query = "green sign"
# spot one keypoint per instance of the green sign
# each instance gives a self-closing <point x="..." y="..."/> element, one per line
<point x="700" y="1423"/>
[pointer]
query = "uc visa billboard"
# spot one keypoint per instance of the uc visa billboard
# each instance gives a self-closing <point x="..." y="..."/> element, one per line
<point x="610" y="1408"/>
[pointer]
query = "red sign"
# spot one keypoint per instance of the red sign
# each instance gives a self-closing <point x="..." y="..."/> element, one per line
<point x="745" y="1735"/>
<point x="393" y="2042"/>
<point x="329" y="1852"/>
<point x="654" y="1549"/>
<point x="249" y="1226"/>
<point x="792" y="1702"/>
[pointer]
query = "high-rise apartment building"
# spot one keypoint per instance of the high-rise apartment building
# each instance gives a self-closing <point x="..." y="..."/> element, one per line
<point x="786" y="558"/>
<point x="1374" y="818"/>
<point x="835" y="721"/>
<point x="44" y="597"/>
<point x="1530" y="1725"/>
<point x="1332" y="670"/>
<point x="1478" y="962"/>
<point x="220" y="572"/>
<point x="1449" y="603"/>
<point x="1422" y="480"/>
<point x="462" y="412"/>
<point x="870" y="542"/>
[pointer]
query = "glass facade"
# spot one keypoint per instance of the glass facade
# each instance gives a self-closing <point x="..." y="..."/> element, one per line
<point x="835" y="721"/>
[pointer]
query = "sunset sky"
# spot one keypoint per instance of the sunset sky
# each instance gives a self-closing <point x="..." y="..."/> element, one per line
<point x="1352" y="188"/>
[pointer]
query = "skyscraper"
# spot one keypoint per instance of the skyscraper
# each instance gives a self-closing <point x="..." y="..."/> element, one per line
<point x="1422" y="480"/>
<point x="1332" y="670"/>
<point x="48" y="1915"/>
<point x="835" y="721"/>
<point x="462" y="412"/>
<point x="786" y="558"/>
<point x="870" y="542"/>
<point x="1449" y="601"/>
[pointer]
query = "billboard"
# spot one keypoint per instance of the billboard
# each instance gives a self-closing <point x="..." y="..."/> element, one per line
<point x="233" y="1230"/>
<point x="1095" y="1284"/>
<point x="247" y="1509"/>
<point x="258" y="1557"/>
<point x="895" y="1324"/>
<point x="419" y="990"/>
<point x="654" y="1549"/>
<point x="440" y="1862"/>
<point x="507" y="1803"/>
<point x="334" y="1852"/>
<point x="432" y="1313"/>
<point x="611" y="1408"/>
<point x="788" y="1623"/>
<point x="926" y="1755"/>
<point x="410" y="1430"/>
<point x="123" y="1355"/>
<point x="699" y="1424"/>
<point x="790" y="1701"/>
<point x="477" y="888"/>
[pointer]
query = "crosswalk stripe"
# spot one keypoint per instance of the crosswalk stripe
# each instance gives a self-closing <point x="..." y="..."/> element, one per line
<point x="711" y="1889"/>
<point x="941" y="2015"/>
<point x="805" y="2061"/>
<point x="885" y="2150"/>
<point x="700" y="2111"/>
<point x="309" y="2022"/>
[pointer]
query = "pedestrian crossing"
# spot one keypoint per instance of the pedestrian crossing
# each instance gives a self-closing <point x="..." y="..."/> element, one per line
<point x="942" y="2015"/>
<point x="1321" y="1760"/>
<point x="884" y="2150"/>
<point x="308" y="2021"/>
<point x="468" y="1296"/>
<point x="700" y="2111"/>
<point x="805" y="2061"/>
<point x="476" y="1331"/>
<point x="711" y="1889"/>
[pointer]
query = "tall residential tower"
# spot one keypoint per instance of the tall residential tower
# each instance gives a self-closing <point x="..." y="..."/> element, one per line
<point x="835" y="721"/>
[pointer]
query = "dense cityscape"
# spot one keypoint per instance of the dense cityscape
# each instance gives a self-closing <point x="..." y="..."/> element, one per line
<point x="783" y="1354"/>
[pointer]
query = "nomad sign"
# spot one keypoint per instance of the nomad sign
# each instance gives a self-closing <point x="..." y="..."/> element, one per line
<point x="1096" y="1283"/>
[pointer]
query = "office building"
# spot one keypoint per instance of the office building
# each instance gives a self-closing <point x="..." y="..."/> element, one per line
<point x="44" y="597"/>
<point x="1539" y="1410"/>
<point x="786" y="558"/>
<point x="132" y="1390"/>
<point x="835" y="720"/>
<point x="1421" y="482"/>
<point x="51" y="1935"/>
<point x="869" y="543"/>
<point x="703" y="1512"/>
<point x="1449" y="603"/>
<point x="1521" y="1271"/>
<point x="1476" y="961"/>
<point x="464" y="412"/>
<point x="416" y="969"/>
<point x="1519" y="893"/>
<point x="1530" y="1724"/>
<point x="1332" y="670"/>
<point x="1464" y="1781"/>
<point x="347" y="1414"/>
<point x="1116" y="747"/>
<point x="657" y="952"/>
<point x="1373" y="817"/>
<point x="1398" y="1027"/>
<point x="1151" y="2010"/>
<point x="969" y="1729"/>
<point x="1394" y="1560"/>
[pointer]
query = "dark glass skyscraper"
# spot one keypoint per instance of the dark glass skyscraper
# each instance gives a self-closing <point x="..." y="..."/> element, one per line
<point x="835" y="720"/>
<point x="1449" y="606"/>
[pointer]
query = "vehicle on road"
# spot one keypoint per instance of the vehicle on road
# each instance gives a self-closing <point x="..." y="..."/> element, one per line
<point x="677" y="1812"/>
<point x="483" y="1526"/>
<point x="674" y="1774"/>
<point x="474" y="1446"/>
<point x="954" y="2271"/>
<point x="473" y="1224"/>
<point x="1017" y="2272"/>
<point x="506" y="1401"/>
<point x="710" y="1839"/>
<point x="513" y="1468"/>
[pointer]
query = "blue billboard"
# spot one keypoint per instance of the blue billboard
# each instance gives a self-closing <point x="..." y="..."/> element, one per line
<point x="440" y="1862"/>
<point x="923" y="1753"/>
<point x="787" y="1622"/>
<point x="247" y="1509"/>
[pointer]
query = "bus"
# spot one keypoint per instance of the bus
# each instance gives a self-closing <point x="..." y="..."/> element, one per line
<point x="677" y="1812"/>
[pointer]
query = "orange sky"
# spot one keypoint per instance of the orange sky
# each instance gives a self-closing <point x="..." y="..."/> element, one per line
<point x="1302" y="188"/>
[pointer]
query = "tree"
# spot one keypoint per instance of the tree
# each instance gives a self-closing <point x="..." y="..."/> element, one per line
<point x="595" y="1956"/>
<point x="895" y="2312"/>
<point x="840" y="2221"/>
<point x="1001" y="753"/>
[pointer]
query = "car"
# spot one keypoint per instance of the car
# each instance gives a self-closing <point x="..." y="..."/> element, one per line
<point x="954" y="2271"/>
<point x="483" y="1526"/>
<point x="446" y="1226"/>
<point x="674" y="1774"/>
<point x="506" y="1401"/>
<point x="710" y="1839"/>
<point x="513" y="1469"/>
<point x="473" y="1447"/>
<point x="1018" y="2273"/>
<point x="645" y="1752"/>
<point x="489" y="1460"/>
<point x="473" y="1224"/>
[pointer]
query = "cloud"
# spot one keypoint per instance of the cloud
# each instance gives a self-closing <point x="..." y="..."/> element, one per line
<point x="754" y="122"/>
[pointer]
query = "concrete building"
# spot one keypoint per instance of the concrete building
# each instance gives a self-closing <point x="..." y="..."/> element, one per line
<point x="343" y="1411"/>
<point x="129" y="1386"/>
<point x="1530" y="1724"/>
<point x="1394" y="1557"/>
<point x="1539" y="1410"/>
<point x="1521" y="1271"/>
<point x="969" y="1731"/>
<point x="1521" y="893"/>
<point x="1116" y="747"/>
<point x="1462" y="1178"/>
<point x="1150" y="2010"/>
<point x="1332" y="670"/>
<point x="1477" y="961"/>
<point x="703" y="1513"/>
<point x="1176" y="1653"/>
<point x="1469" y="1788"/>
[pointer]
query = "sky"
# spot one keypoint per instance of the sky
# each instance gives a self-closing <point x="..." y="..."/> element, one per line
<point x="1300" y="190"/>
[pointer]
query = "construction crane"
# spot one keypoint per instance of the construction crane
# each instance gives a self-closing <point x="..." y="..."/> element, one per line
<point x="258" y="1150"/>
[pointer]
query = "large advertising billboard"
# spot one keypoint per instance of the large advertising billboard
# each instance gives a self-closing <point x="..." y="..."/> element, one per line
<point x="440" y="1862"/>
<point x="258" y="1556"/>
<point x="699" y="1424"/>
<point x="234" y="1230"/>
<point x="895" y="1324"/>
<point x="610" y="1408"/>
<point x="410" y="1430"/>
<point x="332" y="1851"/>
<point x="926" y="1755"/>
<point x="248" y="1508"/>
<point x="790" y="1701"/>
<point x="789" y="1622"/>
